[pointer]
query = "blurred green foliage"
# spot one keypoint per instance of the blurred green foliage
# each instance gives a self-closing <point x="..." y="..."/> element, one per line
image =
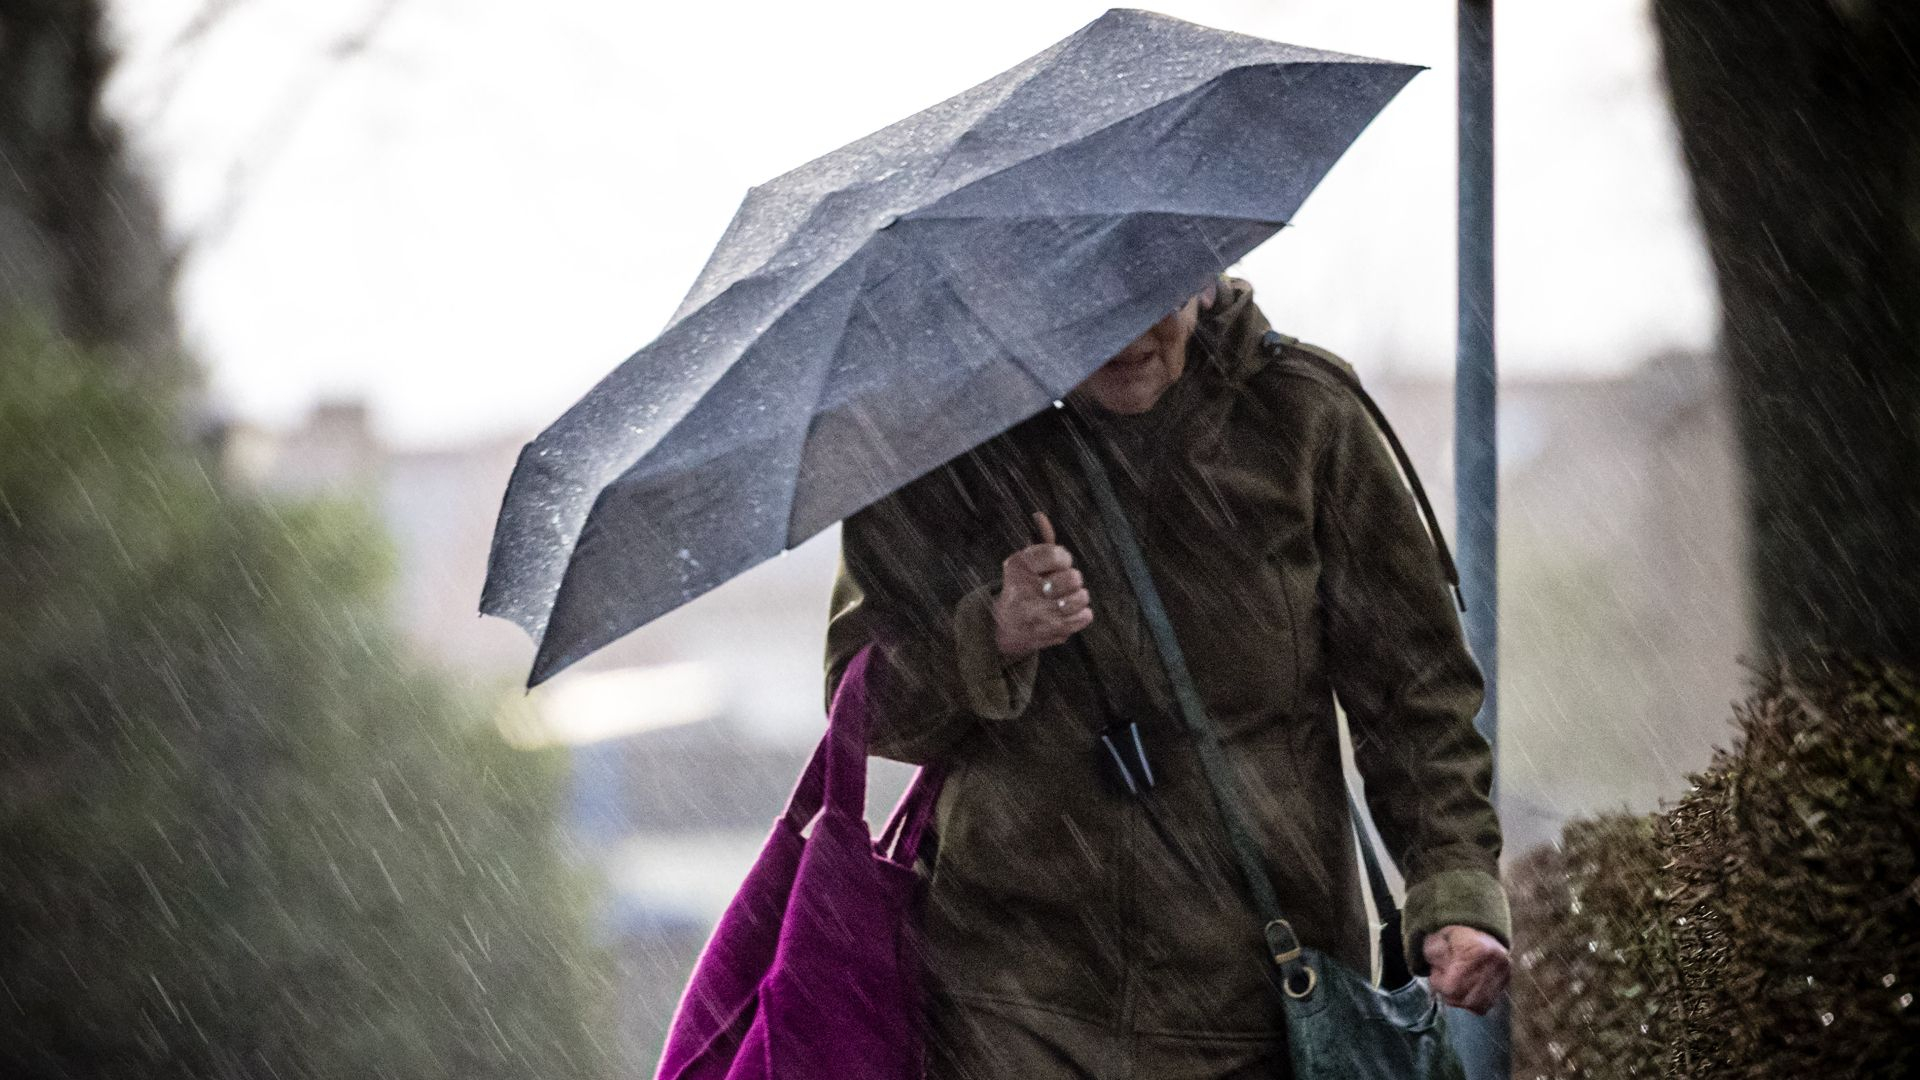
<point x="1766" y="925"/>
<point x="240" y="833"/>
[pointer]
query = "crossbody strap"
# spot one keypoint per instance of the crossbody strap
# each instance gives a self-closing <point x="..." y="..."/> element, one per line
<point x="1327" y="362"/>
<point x="1282" y="943"/>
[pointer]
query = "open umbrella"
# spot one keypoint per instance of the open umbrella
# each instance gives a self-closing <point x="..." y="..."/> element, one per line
<point x="887" y="307"/>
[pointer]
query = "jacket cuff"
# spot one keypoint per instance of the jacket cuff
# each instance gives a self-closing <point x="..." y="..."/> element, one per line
<point x="995" y="688"/>
<point x="1453" y="898"/>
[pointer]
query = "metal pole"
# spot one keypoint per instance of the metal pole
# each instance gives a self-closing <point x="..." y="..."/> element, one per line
<point x="1481" y="1041"/>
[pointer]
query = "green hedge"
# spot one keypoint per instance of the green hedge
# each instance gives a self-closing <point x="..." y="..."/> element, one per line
<point x="1766" y="925"/>
<point x="240" y="834"/>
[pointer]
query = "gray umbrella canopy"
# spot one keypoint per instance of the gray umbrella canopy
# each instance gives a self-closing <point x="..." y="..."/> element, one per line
<point x="885" y="308"/>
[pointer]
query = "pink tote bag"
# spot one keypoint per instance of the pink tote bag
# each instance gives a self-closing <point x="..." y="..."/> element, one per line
<point x="814" y="971"/>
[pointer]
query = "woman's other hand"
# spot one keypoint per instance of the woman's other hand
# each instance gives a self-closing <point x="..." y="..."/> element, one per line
<point x="1042" y="600"/>
<point x="1470" y="967"/>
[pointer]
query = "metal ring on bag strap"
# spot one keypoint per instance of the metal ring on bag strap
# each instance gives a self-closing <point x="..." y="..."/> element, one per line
<point x="1280" y="933"/>
<point x="1313" y="979"/>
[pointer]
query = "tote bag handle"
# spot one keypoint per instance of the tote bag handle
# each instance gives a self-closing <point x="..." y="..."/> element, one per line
<point x="835" y="778"/>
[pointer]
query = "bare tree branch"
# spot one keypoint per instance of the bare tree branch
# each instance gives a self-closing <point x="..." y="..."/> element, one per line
<point x="261" y="152"/>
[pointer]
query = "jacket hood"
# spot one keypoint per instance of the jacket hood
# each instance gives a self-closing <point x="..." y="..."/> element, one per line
<point x="1229" y="332"/>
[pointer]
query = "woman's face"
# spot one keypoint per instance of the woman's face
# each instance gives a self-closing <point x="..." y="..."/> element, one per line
<point x="1139" y="374"/>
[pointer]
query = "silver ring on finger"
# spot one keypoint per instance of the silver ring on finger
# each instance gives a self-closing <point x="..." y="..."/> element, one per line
<point x="1046" y="586"/>
<point x="1061" y="603"/>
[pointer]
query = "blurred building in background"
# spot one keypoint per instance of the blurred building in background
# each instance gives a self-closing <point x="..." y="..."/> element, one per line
<point x="1622" y="607"/>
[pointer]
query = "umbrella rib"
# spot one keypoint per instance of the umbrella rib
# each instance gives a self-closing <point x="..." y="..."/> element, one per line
<point x="1012" y="356"/>
<point x="993" y="333"/>
<point x="773" y="317"/>
<point x="669" y="427"/>
<point x="988" y="110"/>
<point x="820" y="396"/>
<point x="1059" y="49"/>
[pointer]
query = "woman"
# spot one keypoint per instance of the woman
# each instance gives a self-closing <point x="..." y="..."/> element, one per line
<point x="1075" y="930"/>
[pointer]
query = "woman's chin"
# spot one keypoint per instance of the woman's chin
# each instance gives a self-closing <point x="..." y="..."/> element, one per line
<point x="1128" y="403"/>
<point x="1128" y="388"/>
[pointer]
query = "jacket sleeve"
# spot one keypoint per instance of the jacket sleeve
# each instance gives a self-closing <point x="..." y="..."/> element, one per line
<point x="933" y="624"/>
<point x="1410" y="688"/>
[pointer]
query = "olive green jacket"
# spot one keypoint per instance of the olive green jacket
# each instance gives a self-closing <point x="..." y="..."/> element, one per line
<point x="1295" y="568"/>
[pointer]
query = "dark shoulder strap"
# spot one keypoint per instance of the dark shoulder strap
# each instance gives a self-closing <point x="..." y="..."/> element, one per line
<point x="1282" y="944"/>
<point x="1283" y="346"/>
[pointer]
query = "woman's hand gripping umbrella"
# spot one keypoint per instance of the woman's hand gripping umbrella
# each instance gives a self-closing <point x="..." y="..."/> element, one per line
<point x="1043" y="600"/>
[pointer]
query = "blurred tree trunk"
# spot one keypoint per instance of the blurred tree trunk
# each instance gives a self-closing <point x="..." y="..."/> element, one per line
<point x="81" y="240"/>
<point x="1800" y="122"/>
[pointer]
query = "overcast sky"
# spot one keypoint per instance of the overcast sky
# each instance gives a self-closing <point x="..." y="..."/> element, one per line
<point x="473" y="218"/>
